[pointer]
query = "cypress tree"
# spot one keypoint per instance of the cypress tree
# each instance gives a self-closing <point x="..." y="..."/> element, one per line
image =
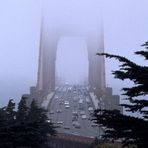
<point x="132" y="130"/>
<point x="19" y="129"/>
<point x="7" y="119"/>
<point x="3" y="129"/>
<point x="38" y="117"/>
<point x="26" y="127"/>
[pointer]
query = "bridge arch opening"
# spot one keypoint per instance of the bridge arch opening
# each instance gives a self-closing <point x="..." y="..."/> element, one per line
<point x="72" y="64"/>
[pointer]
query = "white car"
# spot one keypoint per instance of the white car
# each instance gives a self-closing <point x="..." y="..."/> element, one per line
<point x="75" y="133"/>
<point x="75" y="113"/>
<point x="66" y="102"/>
<point x="59" y="122"/>
<point x="49" y="120"/>
<point x="67" y="106"/>
<point x="84" y="116"/>
<point x="90" y="109"/>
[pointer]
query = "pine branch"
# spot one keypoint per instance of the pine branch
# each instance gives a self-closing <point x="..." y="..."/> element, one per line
<point x="143" y="53"/>
<point x="121" y="126"/>
<point x="130" y="129"/>
<point x="145" y="44"/>
<point x="127" y="67"/>
<point x="133" y="72"/>
<point x="135" y="91"/>
<point x="135" y="107"/>
<point x="119" y="58"/>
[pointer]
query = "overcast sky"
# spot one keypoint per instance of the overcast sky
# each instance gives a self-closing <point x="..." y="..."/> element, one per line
<point x="125" y="29"/>
<point x="72" y="67"/>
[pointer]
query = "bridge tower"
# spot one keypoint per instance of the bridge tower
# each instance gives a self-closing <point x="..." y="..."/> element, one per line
<point x="51" y="34"/>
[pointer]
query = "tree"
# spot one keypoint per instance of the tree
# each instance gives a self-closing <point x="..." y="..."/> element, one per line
<point x="7" y="118"/>
<point x="20" y="130"/>
<point x="128" y="128"/>
<point x="24" y="128"/>
<point x="3" y="129"/>
<point x="41" y="125"/>
<point x="31" y="128"/>
<point x="22" y="111"/>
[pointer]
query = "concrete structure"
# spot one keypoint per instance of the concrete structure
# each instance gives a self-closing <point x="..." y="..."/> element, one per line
<point x="50" y="36"/>
<point x="111" y="101"/>
<point x="70" y="141"/>
<point x="107" y="101"/>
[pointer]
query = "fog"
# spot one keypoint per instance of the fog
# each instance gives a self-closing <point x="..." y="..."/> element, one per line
<point x="72" y="61"/>
<point x="125" y="29"/>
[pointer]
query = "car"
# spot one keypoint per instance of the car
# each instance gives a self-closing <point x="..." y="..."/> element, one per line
<point x="49" y="120"/>
<point x="66" y="102"/>
<point x="74" y="92"/>
<point x="76" y="124"/>
<point x="66" y="127"/>
<point x="90" y="109"/>
<point x="81" y="101"/>
<point x="59" y="122"/>
<point x="51" y="112"/>
<point x="103" y="127"/>
<point x="67" y="106"/>
<point x="94" y="124"/>
<point x="88" y="100"/>
<point x="56" y="97"/>
<point x="75" y="118"/>
<point x="75" y="113"/>
<point x="75" y="133"/>
<point x="61" y="102"/>
<point x="92" y="137"/>
<point x="82" y="112"/>
<point x="66" y="83"/>
<point x="59" y="111"/>
<point x="84" y="116"/>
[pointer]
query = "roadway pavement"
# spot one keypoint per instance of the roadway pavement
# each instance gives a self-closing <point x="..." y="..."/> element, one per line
<point x="71" y="109"/>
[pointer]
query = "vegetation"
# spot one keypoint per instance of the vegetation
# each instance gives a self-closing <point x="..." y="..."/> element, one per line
<point x="129" y="129"/>
<point x="109" y="145"/>
<point x="24" y="128"/>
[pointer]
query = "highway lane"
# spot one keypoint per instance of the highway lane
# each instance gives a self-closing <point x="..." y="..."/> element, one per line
<point x="68" y="100"/>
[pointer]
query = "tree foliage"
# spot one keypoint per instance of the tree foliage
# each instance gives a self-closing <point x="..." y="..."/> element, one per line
<point x="132" y="130"/>
<point x="25" y="127"/>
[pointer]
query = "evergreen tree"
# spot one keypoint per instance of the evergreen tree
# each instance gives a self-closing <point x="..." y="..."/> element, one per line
<point x="129" y="128"/>
<point x="24" y="128"/>
<point x="7" y="118"/>
<point x="22" y="110"/>
<point x="31" y="128"/>
<point x="20" y="126"/>
<point x="3" y="128"/>
<point x="38" y="117"/>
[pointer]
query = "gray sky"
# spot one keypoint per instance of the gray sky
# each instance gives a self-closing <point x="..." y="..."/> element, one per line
<point x="125" y="29"/>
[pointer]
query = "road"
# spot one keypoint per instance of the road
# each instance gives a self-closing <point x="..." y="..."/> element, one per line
<point x="71" y="109"/>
